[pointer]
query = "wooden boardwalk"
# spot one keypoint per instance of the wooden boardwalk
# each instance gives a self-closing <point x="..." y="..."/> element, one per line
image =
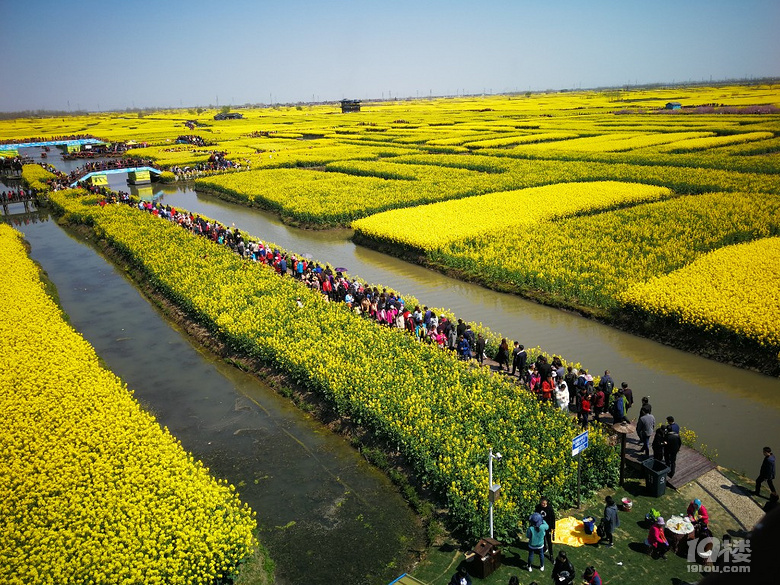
<point x="691" y="464"/>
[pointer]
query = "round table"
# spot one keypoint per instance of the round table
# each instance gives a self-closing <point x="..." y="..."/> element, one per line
<point x="679" y="530"/>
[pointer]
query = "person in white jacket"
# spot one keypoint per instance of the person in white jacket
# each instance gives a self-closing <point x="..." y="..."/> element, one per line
<point x="562" y="396"/>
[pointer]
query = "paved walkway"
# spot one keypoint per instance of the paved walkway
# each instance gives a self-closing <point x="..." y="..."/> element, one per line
<point x="719" y="492"/>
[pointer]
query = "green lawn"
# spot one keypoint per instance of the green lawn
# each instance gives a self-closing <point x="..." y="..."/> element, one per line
<point x="625" y="563"/>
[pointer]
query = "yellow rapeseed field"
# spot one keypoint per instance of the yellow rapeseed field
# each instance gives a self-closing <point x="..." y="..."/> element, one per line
<point x="93" y="490"/>
<point x="433" y="226"/>
<point x="736" y="288"/>
<point x="588" y="260"/>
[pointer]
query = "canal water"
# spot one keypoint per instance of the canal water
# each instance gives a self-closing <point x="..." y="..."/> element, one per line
<point x="325" y="515"/>
<point x="734" y="412"/>
<point x="54" y="157"/>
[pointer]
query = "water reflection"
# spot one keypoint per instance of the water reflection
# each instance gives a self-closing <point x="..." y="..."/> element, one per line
<point x="19" y="220"/>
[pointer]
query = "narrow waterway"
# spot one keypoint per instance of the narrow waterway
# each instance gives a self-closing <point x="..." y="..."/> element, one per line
<point x="54" y="157"/>
<point x="733" y="411"/>
<point x="325" y="515"/>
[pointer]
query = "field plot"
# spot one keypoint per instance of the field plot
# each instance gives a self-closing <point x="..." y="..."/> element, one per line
<point x="735" y="288"/>
<point x="496" y="213"/>
<point x="589" y="260"/>
<point x="348" y="190"/>
<point x="94" y="490"/>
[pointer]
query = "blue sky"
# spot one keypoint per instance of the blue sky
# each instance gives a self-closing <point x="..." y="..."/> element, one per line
<point x="112" y="55"/>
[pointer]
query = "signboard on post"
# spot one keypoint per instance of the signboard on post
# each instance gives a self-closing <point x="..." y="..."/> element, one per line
<point x="579" y="443"/>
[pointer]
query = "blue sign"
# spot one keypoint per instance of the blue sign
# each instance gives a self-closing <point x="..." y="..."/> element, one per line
<point x="579" y="443"/>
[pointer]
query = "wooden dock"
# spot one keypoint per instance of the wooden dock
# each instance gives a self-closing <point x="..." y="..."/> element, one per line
<point x="691" y="464"/>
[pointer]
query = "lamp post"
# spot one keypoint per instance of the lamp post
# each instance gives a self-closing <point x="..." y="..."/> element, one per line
<point x="494" y="489"/>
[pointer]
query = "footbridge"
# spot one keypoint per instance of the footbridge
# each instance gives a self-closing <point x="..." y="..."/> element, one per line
<point x="137" y="175"/>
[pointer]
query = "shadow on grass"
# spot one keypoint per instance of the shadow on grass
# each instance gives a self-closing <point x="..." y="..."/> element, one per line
<point x="635" y="487"/>
<point x="515" y="557"/>
<point x="638" y="547"/>
<point x="736" y="534"/>
<point x="644" y="523"/>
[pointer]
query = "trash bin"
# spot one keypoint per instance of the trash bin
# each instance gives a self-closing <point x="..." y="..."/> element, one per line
<point x="655" y="476"/>
<point x="589" y="524"/>
<point x="485" y="558"/>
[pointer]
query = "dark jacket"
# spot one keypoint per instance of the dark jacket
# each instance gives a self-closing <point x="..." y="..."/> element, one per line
<point x="559" y="568"/>
<point x="547" y="513"/>
<point x="768" y="467"/>
<point x="544" y="369"/>
<point x="521" y="359"/>
<point x="611" y="519"/>
<point x="673" y="443"/>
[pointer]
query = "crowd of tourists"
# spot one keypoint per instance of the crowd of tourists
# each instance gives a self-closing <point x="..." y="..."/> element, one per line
<point x="12" y="165"/>
<point x="106" y="165"/>
<point x="17" y="195"/>
<point x="99" y="150"/>
<point x="217" y="162"/>
<point x="390" y="309"/>
<point x="567" y="388"/>
<point x="193" y="139"/>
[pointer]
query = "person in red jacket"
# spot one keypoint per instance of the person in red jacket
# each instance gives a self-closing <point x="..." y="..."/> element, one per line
<point x="697" y="512"/>
<point x="584" y="409"/>
<point x="599" y="402"/>
<point x="547" y="391"/>
<point x="591" y="576"/>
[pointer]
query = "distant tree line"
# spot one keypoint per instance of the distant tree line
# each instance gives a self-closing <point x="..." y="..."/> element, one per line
<point x="41" y="114"/>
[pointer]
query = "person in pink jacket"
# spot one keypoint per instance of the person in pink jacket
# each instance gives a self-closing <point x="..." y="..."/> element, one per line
<point x="657" y="541"/>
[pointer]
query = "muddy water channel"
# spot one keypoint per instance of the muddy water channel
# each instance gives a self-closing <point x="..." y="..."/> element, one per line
<point x="733" y="411"/>
<point x="325" y="515"/>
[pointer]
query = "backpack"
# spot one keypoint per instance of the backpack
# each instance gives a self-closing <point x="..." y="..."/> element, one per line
<point x="613" y="409"/>
<point x="600" y="529"/>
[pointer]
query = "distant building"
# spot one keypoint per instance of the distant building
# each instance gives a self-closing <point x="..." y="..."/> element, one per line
<point x="673" y="106"/>
<point x="350" y="106"/>
<point x="228" y="116"/>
